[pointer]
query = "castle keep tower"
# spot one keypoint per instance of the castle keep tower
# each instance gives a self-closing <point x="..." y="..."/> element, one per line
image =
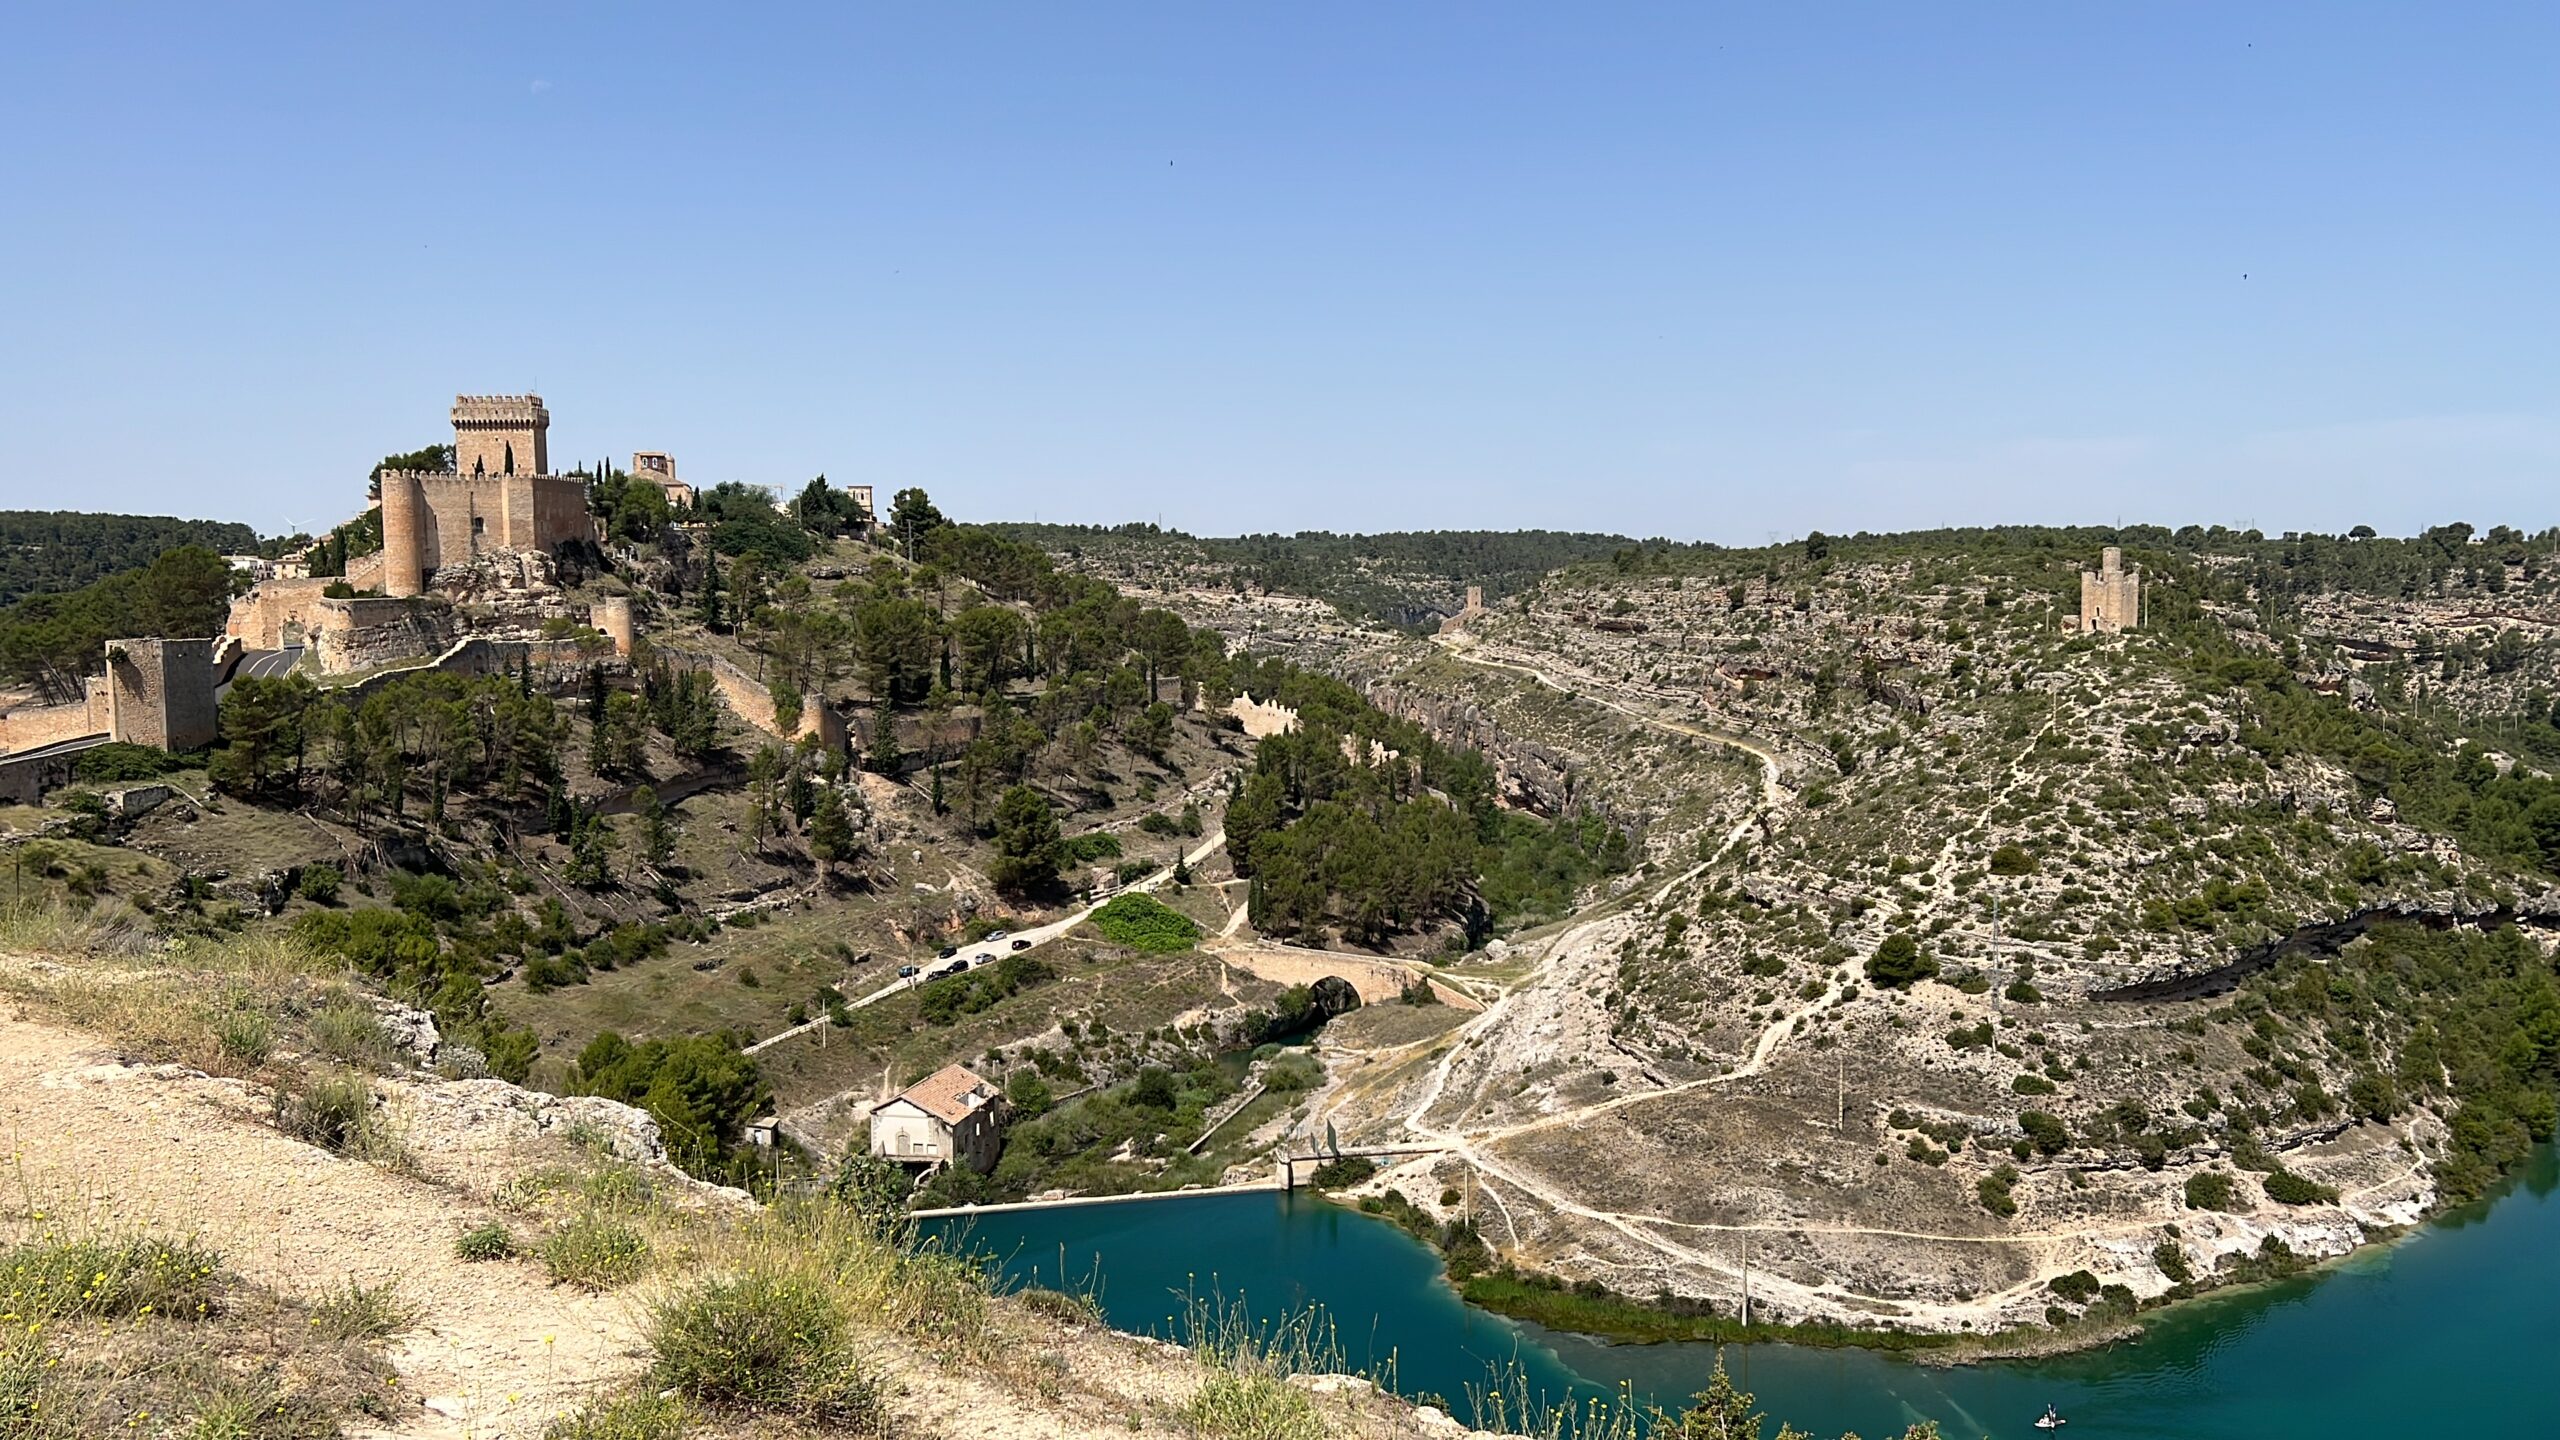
<point x="2110" y="596"/>
<point x="499" y="497"/>
<point x="501" y="435"/>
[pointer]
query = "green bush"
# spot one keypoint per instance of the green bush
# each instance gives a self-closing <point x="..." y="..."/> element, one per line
<point x="2031" y="1085"/>
<point x="333" y="1110"/>
<point x="1900" y="961"/>
<point x="2209" y="1190"/>
<point x="594" y="1252"/>
<point x="2045" y="1132"/>
<point x="104" y="1278"/>
<point x="363" y="1312"/>
<point x="319" y="884"/>
<point x="1347" y="1171"/>
<point x="245" y="1034"/>
<point x="1142" y="922"/>
<point x="348" y="1031"/>
<point x="766" y="1343"/>
<point x="2012" y="860"/>
<point x="492" y="1241"/>
<point x="631" y="1417"/>
<point x="1230" y="1406"/>
<point x="2286" y="1188"/>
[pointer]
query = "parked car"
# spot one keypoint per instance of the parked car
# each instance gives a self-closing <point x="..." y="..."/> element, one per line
<point x="998" y="934"/>
<point x="947" y="952"/>
<point x="906" y="972"/>
<point x="954" y="968"/>
<point x="1021" y="944"/>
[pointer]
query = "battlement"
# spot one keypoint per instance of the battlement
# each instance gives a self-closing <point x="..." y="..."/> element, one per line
<point x="499" y="409"/>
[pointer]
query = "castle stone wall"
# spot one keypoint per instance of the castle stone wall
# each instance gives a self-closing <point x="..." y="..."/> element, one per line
<point x="160" y="693"/>
<point x="368" y="631"/>
<point x="33" y="727"/>
<point x="752" y="700"/>
<point x="275" y="613"/>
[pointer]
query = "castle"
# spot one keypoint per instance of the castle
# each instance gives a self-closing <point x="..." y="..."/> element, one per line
<point x="500" y="495"/>
<point x="2110" y="596"/>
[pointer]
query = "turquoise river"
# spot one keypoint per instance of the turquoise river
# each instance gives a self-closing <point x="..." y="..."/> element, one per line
<point x="2446" y="1332"/>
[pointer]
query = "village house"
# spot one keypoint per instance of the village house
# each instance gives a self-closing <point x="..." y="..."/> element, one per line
<point x="949" y="1116"/>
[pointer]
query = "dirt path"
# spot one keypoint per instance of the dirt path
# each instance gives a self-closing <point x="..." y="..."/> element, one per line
<point x="96" y="1141"/>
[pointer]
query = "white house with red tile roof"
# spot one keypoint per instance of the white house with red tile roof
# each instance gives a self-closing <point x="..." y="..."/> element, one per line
<point x="951" y="1116"/>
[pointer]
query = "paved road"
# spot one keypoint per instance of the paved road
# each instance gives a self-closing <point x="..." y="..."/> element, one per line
<point x="988" y="951"/>
<point x="261" y="665"/>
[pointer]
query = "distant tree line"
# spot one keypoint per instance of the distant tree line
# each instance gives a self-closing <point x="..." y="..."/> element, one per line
<point x="54" y="641"/>
<point x="44" y="552"/>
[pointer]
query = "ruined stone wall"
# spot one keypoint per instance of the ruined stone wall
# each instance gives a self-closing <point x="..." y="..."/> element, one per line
<point x="160" y="693"/>
<point x="752" y="700"/>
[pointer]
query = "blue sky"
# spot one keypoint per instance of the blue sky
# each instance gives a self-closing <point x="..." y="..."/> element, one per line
<point x="1709" y="272"/>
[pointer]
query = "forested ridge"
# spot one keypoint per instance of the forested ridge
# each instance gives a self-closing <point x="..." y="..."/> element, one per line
<point x="1403" y="579"/>
<point x="51" y="551"/>
<point x="52" y="641"/>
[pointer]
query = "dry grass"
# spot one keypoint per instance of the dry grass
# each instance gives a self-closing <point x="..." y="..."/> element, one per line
<point x="114" y="1333"/>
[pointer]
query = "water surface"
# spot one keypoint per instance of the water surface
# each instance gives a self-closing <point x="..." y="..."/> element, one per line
<point x="2450" y="1331"/>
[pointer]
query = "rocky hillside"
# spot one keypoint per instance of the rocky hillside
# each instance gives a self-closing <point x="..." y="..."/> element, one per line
<point x="2165" y="956"/>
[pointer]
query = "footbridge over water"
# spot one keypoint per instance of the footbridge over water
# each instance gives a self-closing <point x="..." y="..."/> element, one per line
<point x="1294" y="1167"/>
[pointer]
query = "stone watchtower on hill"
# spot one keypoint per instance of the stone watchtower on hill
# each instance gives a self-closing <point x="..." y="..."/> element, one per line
<point x="2110" y="596"/>
<point x="500" y="495"/>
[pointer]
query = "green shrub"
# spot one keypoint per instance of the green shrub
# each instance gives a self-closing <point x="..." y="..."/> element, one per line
<point x="630" y="1417"/>
<point x="492" y="1241"/>
<point x="765" y="1342"/>
<point x="319" y="884"/>
<point x="348" y="1031"/>
<point x="2171" y="1257"/>
<point x="2031" y="1085"/>
<point x="594" y="1252"/>
<point x="1900" y="961"/>
<point x="2286" y="1188"/>
<point x="1346" y="1171"/>
<point x="2012" y="860"/>
<point x="2209" y="1190"/>
<point x="333" y="1110"/>
<point x="106" y="1278"/>
<point x="2045" y="1132"/>
<point x="245" y="1034"/>
<point x="363" y="1312"/>
<point x="1231" y="1406"/>
<point x="1142" y="922"/>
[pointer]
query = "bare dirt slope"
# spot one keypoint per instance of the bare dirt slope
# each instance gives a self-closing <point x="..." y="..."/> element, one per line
<point x="158" y="1147"/>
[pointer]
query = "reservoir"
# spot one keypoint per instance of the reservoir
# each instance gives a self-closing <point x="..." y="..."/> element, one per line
<point x="2449" y="1331"/>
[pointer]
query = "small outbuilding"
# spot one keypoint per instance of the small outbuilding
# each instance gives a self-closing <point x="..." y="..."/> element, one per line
<point x="952" y="1116"/>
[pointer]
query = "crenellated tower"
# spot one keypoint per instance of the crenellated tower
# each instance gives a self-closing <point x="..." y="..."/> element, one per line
<point x="501" y="435"/>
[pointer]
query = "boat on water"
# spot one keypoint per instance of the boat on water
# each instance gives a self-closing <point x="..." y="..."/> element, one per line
<point x="2051" y="1419"/>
